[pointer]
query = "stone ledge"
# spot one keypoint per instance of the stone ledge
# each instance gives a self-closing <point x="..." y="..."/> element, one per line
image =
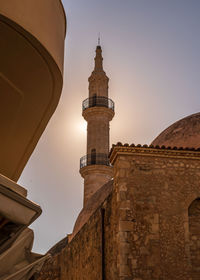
<point x="95" y="111"/>
<point x="102" y="169"/>
<point x="157" y="151"/>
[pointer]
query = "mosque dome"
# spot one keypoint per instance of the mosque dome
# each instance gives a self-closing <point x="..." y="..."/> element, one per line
<point x="183" y="133"/>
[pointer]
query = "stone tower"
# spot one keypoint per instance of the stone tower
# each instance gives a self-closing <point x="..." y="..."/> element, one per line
<point x="98" y="111"/>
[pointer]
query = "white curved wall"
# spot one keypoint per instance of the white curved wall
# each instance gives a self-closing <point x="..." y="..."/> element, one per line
<point x="44" y="19"/>
<point x="31" y="76"/>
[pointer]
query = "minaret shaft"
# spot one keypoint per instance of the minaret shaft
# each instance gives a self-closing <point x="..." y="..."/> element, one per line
<point x="98" y="87"/>
<point x="98" y="135"/>
<point x="98" y="111"/>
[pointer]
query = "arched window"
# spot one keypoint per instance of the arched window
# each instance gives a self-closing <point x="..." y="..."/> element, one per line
<point x="194" y="230"/>
<point x="94" y="100"/>
<point x="93" y="156"/>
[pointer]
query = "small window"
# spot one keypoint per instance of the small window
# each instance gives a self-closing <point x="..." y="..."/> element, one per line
<point x="94" y="99"/>
<point x="194" y="230"/>
<point x="93" y="156"/>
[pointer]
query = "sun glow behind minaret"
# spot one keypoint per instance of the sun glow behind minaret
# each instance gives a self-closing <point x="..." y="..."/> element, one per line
<point x="82" y="126"/>
<point x="77" y="129"/>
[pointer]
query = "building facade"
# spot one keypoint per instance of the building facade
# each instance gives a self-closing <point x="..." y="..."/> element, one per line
<point x="140" y="223"/>
<point x="147" y="227"/>
<point x="31" y="76"/>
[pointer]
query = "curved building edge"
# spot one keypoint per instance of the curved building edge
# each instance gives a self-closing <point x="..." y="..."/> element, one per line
<point x="54" y="71"/>
<point x="45" y="20"/>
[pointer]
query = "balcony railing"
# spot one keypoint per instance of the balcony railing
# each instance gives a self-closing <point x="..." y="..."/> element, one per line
<point x="91" y="159"/>
<point x="98" y="101"/>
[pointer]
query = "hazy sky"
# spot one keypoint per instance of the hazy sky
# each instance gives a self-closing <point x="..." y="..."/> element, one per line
<point x="151" y="51"/>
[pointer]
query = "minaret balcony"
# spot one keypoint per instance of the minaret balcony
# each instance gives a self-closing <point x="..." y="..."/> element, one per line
<point x="98" y="101"/>
<point x="92" y="159"/>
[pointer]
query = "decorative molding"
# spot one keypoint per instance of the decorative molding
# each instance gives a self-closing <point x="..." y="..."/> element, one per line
<point x="95" y="111"/>
<point x="152" y="152"/>
<point x="92" y="169"/>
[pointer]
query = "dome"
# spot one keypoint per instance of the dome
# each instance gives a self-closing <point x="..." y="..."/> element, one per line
<point x="183" y="133"/>
<point x="91" y="206"/>
<point x="57" y="248"/>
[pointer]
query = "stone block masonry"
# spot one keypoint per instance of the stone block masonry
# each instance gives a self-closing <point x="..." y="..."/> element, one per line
<point x="81" y="258"/>
<point x="148" y="226"/>
<point x="157" y="236"/>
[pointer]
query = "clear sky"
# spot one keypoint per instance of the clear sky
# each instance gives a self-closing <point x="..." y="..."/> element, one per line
<point x="151" y="51"/>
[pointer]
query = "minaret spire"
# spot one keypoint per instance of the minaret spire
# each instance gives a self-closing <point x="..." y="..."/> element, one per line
<point x="99" y="39"/>
<point x="98" y="81"/>
<point x="98" y="59"/>
<point x="98" y="111"/>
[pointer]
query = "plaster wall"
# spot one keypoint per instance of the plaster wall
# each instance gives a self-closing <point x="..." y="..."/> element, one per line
<point x="45" y="20"/>
<point x="32" y="54"/>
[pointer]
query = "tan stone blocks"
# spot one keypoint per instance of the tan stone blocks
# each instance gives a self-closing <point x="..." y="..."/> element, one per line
<point x="152" y="211"/>
<point x="126" y="226"/>
<point x="122" y="236"/>
<point x="124" y="270"/>
<point x="124" y="248"/>
<point x="123" y="163"/>
<point x="134" y="263"/>
<point x="155" y="228"/>
<point x="148" y="234"/>
<point x="122" y="187"/>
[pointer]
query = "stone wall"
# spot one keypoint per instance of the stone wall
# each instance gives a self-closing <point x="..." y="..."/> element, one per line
<point x="82" y="258"/>
<point x="153" y="190"/>
<point x="146" y="229"/>
<point x="51" y="270"/>
<point x="110" y="239"/>
<point x="194" y="229"/>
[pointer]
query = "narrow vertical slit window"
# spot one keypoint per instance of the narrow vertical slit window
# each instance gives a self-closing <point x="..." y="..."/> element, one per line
<point x="94" y="100"/>
<point x="93" y="156"/>
<point x="103" y="243"/>
<point x="194" y="230"/>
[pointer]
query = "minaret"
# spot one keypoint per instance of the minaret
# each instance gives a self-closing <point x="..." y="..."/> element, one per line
<point x="98" y="111"/>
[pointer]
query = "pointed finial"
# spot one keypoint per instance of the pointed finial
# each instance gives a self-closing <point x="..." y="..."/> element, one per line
<point x="98" y="57"/>
<point x="99" y="39"/>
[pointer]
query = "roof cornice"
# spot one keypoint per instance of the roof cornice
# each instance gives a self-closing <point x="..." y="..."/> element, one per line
<point x="151" y="151"/>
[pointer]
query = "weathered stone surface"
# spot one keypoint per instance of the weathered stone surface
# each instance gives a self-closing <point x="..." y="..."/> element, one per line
<point x="91" y="206"/>
<point x="81" y="259"/>
<point x="146" y="229"/>
<point x="159" y="188"/>
<point x="95" y="176"/>
<point x="183" y="133"/>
